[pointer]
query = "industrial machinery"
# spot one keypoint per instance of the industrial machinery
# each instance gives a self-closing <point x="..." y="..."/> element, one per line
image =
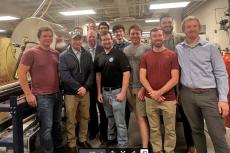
<point x="24" y="36"/>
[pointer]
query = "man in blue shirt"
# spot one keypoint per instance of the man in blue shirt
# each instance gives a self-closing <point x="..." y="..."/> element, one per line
<point x="204" y="87"/>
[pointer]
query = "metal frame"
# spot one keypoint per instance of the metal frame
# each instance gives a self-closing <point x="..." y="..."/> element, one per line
<point x="17" y="110"/>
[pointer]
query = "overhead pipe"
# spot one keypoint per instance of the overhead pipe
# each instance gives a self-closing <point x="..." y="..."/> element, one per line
<point x="39" y="8"/>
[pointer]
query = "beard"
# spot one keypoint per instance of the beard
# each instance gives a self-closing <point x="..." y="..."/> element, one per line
<point x="157" y="44"/>
<point x="107" y="46"/>
<point x="168" y="30"/>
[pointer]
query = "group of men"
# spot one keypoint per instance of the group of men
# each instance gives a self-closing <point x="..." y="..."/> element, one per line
<point x="108" y="72"/>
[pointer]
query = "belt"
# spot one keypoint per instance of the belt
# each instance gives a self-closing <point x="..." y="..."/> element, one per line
<point x="197" y="90"/>
<point x="110" y="88"/>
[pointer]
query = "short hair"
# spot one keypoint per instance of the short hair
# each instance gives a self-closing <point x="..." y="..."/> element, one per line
<point x="103" y="24"/>
<point x="165" y="16"/>
<point x="189" y="18"/>
<point x="106" y="33"/>
<point x="117" y="27"/>
<point x="136" y="27"/>
<point x="91" y="31"/>
<point x="155" y="30"/>
<point x="94" y="24"/>
<point x="42" y="29"/>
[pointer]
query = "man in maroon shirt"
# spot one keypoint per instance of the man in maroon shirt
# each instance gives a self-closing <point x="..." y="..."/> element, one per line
<point x="42" y="64"/>
<point x="159" y="74"/>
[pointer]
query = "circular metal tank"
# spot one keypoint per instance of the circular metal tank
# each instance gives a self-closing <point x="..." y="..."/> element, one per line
<point x="8" y="60"/>
<point x="11" y="49"/>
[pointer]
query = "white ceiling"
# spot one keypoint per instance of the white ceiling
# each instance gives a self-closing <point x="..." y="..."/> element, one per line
<point x="113" y="11"/>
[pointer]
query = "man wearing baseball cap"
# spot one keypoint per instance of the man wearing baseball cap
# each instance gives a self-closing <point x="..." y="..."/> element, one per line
<point x="76" y="70"/>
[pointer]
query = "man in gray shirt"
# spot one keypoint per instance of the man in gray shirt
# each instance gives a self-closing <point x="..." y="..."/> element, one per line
<point x="135" y="92"/>
<point x="204" y="87"/>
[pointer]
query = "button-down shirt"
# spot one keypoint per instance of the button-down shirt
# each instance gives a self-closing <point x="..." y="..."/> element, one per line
<point x="92" y="52"/>
<point x="77" y="53"/>
<point x="203" y="67"/>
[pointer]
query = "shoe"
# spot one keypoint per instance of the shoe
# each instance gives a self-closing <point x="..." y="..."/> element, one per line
<point x="61" y="149"/>
<point x="84" y="144"/>
<point x="72" y="149"/>
<point x="91" y="137"/>
<point x="111" y="142"/>
<point x="103" y="143"/>
<point x="191" y="150"/>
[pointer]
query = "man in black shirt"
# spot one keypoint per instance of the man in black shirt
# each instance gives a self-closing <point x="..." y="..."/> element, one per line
<point x="112" y="75"/>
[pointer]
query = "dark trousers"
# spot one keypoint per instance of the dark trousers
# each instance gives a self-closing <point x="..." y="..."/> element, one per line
<point x="187" y="127"/>
<point x="93" y="121"/>
<point x="203" y="106"/>
<point x="94" y="127"/>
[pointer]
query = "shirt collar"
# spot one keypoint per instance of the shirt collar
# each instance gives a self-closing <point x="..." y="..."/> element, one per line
<point x="93" y="47"/>
<point x="76" y="51"/>
<point x="200" y="43"/>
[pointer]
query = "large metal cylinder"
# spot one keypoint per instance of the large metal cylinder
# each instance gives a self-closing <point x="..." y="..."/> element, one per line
<point x="11" y="49"/>
<point x="8" y="61"/>
<point x="28" y="28"/>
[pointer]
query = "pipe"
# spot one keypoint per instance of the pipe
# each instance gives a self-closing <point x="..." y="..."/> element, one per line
<point x="39" y="8"/>
<point x="8" y="86"/>
<point x="48" y="6"/>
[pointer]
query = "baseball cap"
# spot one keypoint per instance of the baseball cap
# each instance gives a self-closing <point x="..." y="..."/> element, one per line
<point x="78" y="32"/>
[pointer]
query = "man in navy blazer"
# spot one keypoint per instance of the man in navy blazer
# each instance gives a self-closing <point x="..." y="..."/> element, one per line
<point x="94" y="48"/>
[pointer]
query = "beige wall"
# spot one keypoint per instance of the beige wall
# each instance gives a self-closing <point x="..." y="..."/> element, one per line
<point x="206" y="14"/>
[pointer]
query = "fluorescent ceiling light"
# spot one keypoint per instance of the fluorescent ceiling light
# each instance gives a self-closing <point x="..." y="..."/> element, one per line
<point x="146" y="32"/>
<point x="6" y="18"/>
<point x="82" y="12"/>
<point x="2" y="30"/>
<point x="152" y="20"/>
<point x="168" y="5"/>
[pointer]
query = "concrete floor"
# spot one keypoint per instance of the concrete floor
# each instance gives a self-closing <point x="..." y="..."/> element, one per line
<point x="180" y="146"/>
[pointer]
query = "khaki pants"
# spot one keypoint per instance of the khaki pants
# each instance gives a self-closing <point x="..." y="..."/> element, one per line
<point x="168" y="111"/>
<point x="135" y="105"/>
<point x="73" y="104"/>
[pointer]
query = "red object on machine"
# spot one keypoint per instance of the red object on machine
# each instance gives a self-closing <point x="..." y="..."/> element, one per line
<point x="227" y="63"/>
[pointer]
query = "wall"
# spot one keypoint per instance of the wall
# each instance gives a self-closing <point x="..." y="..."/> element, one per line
<point x="206" y="14"/>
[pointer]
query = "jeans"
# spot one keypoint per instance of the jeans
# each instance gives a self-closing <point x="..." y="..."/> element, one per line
<point x="115" y="112"/>
<point x="49" y="114"/>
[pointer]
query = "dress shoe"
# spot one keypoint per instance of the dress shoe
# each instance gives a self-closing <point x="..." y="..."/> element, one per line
<point x="191" y="150"/>
<point x="92" y="137"/>
<point x="84" y="144"/>
<point x="61" y="149"/>
<point x="111" y="142"/>
<point x="103" y="143"/>
<point x="72" y="149"/>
